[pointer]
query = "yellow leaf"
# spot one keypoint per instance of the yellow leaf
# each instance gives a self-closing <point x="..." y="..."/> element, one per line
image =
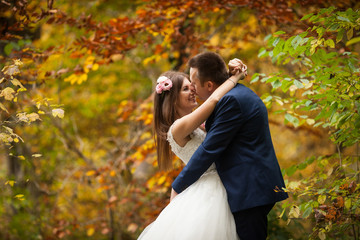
<point x="20" y="197"/>
<point x="4" y="137"/>
<point x="36" y="155"/>
<point x="322" y="199"/>
<point x="310" y="121"/>
<point x="90" y="232"/>
<point x="21" y="157"/>
<point x="176" y="54"/>
<point x="38" y="105"/>
<point x="322" y="235"/>
<point x="3" y="108"/>
<point x="18" y="62"/>
<point x="294" y="185"/>
<point x="58" y="112"/>
<point x="33" y="117"/>
<point x="95" y="67"/>
<point x="90" y="173"/>
<point x="89" y="60"/>
<point x="22" y="117"/>
<point x="10" y="182"/>
<point x="152" y="59"/>
<point x="72" y="78"/>
<point x="350" y="33"/>
<point x="16" y="140"/>
<point x="41" y="112"/>
<point x="17" y="83"/>
<point x="151" y="182"/>
<point x="348" y="203"/>
<point x="294" y="212"/>
<point x="132" y="227"/>
<point x="11" y="70"/>
<point x="83" y="77"/>
<point x="7" y="93"/>
<point x="161" y="180"/>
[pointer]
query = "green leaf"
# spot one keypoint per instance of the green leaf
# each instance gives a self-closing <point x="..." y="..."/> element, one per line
<point x="276" y="84"/>
<point x="296" y="41"/>
<point x="268" y="99"/>
<point x="330" y="43"/>
<point x="267" y="37"/>
<point x="343" y="19"/>
<point x="351" y="66"/>
<point x="279" y="33"/>
<point x="292" y="119"/>
<point x="307" y="16"/>
<point x="334" y="27"/>
<point x="348" y="203"/>
<point x="8" y="48"/>
<point x="353" y="41"/>
<point x="298" y="84"/>
<point x="302" y="166"/>
<point x="340" y="35"/>
<point x="307" y="212"/>
<point x="350" y="33"/>
<point x="276" y="41"/>
<point x="279" y="47"/>
<point x="254" y="78"/>
<point x="262" y="52"/>
<point x="291" y="170"/>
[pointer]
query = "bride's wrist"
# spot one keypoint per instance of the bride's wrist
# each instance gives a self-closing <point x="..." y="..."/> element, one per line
<point x="233" y="80"/>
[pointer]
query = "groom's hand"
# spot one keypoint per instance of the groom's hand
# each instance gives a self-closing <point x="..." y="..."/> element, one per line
<point x="173" y="194"/>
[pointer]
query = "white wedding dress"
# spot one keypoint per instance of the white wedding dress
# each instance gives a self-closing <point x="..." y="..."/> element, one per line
<point x="201" y="212"/>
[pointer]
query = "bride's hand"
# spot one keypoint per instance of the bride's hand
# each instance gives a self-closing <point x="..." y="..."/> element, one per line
<point x="173" y="194"/>
<point x="237" y="66"/>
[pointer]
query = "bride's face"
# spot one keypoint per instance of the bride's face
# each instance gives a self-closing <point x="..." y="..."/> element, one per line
<point x="186" y="101"/>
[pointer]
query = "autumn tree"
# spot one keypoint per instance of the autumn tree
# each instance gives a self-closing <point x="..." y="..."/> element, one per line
<point x="94" y="172"/>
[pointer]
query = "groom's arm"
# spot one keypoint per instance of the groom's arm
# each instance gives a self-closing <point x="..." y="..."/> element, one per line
<point x="228" y="120"/>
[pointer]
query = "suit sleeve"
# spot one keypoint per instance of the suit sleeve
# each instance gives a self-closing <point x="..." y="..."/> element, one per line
<point x="227" y="121"/>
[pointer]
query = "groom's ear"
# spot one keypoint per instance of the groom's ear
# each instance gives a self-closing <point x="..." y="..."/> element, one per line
<point x="210" y="86"/>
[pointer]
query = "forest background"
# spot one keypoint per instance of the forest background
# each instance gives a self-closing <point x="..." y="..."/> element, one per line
<point x="77" y="152"/>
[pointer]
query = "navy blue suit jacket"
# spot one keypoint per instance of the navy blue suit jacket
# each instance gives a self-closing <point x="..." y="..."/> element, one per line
<point x="238" y="141"/>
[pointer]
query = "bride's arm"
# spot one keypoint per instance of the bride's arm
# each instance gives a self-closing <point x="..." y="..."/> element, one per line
<point x="187" y="124"/>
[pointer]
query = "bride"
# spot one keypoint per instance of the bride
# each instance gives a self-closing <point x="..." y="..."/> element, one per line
<point x="200" y="212"/>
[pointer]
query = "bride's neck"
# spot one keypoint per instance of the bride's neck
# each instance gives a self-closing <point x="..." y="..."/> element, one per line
<point x="182" y="113"/>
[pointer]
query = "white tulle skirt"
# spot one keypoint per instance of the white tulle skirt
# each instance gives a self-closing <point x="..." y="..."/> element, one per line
<point x="201" y="212"/>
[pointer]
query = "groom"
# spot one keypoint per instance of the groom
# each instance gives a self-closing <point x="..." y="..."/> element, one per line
<point x="238" y="141"/>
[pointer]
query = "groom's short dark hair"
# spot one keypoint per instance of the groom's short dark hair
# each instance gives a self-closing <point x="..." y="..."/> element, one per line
<point x="211" y="67"/>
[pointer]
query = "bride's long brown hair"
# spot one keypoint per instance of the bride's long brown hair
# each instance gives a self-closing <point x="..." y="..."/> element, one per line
<point x="165" y="115"/>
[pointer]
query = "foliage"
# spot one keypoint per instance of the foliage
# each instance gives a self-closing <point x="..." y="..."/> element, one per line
<point x="93" y="174"/>
<point x="322" y="89"/>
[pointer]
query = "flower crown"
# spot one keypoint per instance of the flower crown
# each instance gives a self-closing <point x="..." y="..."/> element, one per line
<point x="163" y="84"/>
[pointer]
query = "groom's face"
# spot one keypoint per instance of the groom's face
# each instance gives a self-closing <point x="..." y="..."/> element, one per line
<point x="201" y="91"/>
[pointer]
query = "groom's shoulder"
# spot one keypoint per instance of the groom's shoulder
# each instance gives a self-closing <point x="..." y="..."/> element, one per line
<point x="241" y="91"/>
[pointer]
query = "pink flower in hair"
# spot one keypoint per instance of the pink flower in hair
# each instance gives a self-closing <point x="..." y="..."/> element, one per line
<point x="163" y="84"/>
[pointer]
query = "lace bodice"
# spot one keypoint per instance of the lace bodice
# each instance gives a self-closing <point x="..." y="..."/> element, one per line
<point x="185" y="153"/>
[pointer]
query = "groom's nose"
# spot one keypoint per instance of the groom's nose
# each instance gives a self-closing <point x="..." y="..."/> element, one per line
<point x="193" y="88"/>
